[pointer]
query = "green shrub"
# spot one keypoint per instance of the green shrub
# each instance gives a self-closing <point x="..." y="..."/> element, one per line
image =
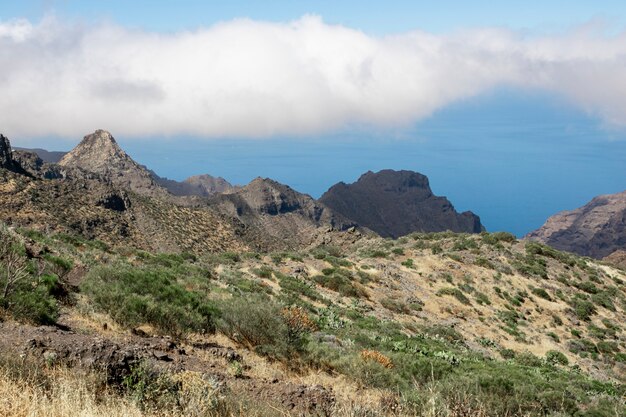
<point x="263" y="272"/>
<point x="341" y="284"/>
<point x="133" y="296"/>
<point x="554" y="336"/>
<point x="507" y="353"/>
<point x="409" y="263"/>
<point x="528" y="359"/>
<point x="579" y="346"/>
<point x="603" y="299"/>
<point x="482" y="298"/>
<point x="557" y="358"/>
<point x="464" y="243"/>
<point x="484" y="262"/>
<point x="265" y="326"/>
<point x="540" y="292"/>
<point x="582" y="308"/>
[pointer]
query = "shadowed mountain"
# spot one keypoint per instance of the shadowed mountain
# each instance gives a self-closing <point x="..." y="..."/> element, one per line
<point x="200" y="185"/>
<point x="396" y="203"/>
<point x="597" y="229"/>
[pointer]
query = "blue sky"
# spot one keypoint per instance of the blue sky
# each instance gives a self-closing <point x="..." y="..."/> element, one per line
<point x="514" y="110"/>
<point x="381" y="17"/>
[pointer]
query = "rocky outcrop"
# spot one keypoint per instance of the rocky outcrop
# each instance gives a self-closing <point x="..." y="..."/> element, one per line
<point x="597" y="229"/>
<point x="396" y="203"/>
<point x="6" y="154"/>
<point x="276" y="216"/>
<point x="99" y="153"/>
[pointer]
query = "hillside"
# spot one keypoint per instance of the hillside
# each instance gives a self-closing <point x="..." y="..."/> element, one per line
<point x="597" y="229"/>
<point x="396" y="203"/>
<point x="430" y="324"/>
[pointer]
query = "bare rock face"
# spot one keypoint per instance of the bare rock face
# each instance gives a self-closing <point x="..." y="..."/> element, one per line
<point x="597" y="229"/>
<point x="396" y="203"/>
<point x="6" y="154"/>
<point x="277" y="216"/>
<point x="99" y="153"/>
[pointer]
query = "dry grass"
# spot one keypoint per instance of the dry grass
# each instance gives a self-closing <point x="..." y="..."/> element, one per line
<point x="67" y="395"/>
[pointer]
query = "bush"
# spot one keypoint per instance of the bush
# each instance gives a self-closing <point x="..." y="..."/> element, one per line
<point x="456" y="293"/>
<point x="265" y="326"/>
<point x="485" y="263"/>
<point x="341" y="284"/>
<point x="481" y="298"/>
<point x="556" y="358"/>
<point x="24" y="296"/>
<point x="133" y="296"/>
<point x="583" y="309"/>
<point x="540" y="292"/>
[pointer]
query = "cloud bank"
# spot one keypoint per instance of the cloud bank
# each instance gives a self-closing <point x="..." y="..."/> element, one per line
<point x="258" y="79"/>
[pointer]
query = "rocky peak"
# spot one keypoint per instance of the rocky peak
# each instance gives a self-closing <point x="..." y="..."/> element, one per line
<point x="396" y="203"/>
<point x="99" y="153"/>
<point x="96" y="152"/>
<point x="395" y="182"/>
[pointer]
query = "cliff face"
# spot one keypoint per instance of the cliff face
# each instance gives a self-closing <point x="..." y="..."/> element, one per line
<point x="396" y="203"/>
<point x="597" y="229"/>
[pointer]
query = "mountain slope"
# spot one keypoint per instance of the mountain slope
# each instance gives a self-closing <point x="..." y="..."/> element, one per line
<point x="597" y="229"/>
<point x="277" y="215"/>
<point x="396" y="203"/>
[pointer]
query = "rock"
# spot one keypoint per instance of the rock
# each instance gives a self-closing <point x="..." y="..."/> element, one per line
<point x="598" y="229"/>
<point x="396" y="203"/>
<point x="162" y="356"/>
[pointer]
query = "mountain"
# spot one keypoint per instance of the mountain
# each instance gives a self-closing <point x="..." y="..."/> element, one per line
<point x="277" y="215"/>
<point x="199" y="185"/>
<point x="396" y="203"/>
<point x="104" y="205"/>
<point x="99" y="153"/>
<point x="597" y="229"/>
<point x="51" y="157"/>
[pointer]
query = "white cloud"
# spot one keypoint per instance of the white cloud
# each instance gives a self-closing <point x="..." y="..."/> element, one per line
<point x="257" y="79"/>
